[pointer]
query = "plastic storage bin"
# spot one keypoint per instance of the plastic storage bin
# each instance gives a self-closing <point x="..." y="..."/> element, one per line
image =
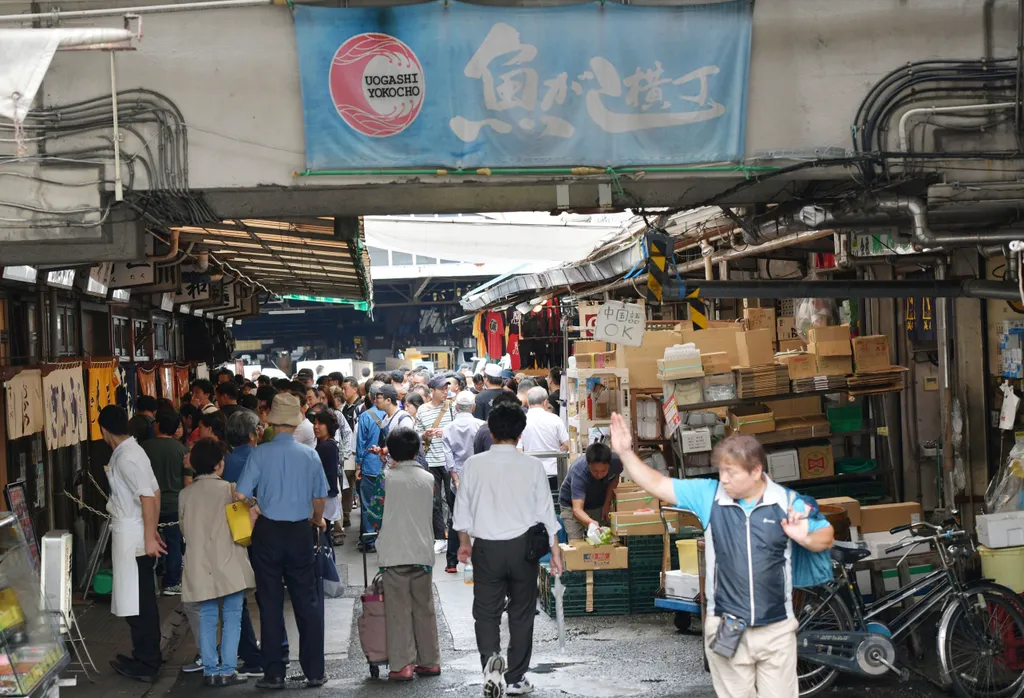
<point x="1003" y="566"/>
<point x="846" y="419"/>
<point x="688" y="563"/>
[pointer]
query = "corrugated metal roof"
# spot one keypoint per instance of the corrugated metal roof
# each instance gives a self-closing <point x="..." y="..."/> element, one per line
<point x="289" y="256"/>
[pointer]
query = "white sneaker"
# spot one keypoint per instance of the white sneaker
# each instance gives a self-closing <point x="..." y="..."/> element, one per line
<point x="494" y="677"/>
<point x="440" y="546"/>
<point x="523" y="688"/>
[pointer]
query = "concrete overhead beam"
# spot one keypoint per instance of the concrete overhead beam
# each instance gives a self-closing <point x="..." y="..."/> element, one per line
<point x="40" y="194"/>
<point x="122" y="240"/>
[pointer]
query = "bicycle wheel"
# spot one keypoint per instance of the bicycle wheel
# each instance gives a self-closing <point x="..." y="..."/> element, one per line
<point x="814" y="615"/>
<point x="981" y="645"/>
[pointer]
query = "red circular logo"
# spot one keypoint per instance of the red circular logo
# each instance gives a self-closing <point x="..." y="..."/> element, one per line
<point x="377" y="84"/>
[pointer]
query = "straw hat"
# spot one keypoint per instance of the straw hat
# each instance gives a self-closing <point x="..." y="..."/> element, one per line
<point x="285" y="411"/>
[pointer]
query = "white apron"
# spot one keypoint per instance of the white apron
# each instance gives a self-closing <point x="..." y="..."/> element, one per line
<point x="127" y="541"/>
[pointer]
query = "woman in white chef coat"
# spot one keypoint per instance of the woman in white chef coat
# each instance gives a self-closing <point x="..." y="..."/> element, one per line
<point x="134" y="508"/>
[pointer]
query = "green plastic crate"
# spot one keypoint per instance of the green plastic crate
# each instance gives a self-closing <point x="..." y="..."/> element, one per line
<point x="843" y="420"/>
<point x="855" y="466"/>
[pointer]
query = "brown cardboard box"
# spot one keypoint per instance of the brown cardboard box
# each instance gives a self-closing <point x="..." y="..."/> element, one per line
<point x="642" y="361"/>
<point x="631" y="524"/>
<point x="592" y="347"/>
<point x="715" y="364"/>
<point x="871" y="353"/>
<point x="797" y="407"/>
<point x="792" y="345"/>
<point x="785" y="329"/>
<point x="816" y="461"/>
<point x="852" y="507"/>
<point x="635" y="500"/>
<point x="800" y="365"/>
<point x="579" y="556"/>
<point x="603" y="359"/>
<point x="751" y="419"/>
<point x="880" y="518"/>
<point x="760" y="318"/>
<point x="830" y="341"/>
<point x="754" y="348"/>
<point x="832" y="365"/>
<point x="735" y="325"/>
<point x="713" y="342"/>
<point x="797" y="429"/>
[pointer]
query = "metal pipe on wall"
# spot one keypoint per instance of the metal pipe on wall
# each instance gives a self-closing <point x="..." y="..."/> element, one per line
<point x="945" y="400"/>
<point x="968" y="288"/>
<point x="753" y="250"/>
<point x="144" y="9"/>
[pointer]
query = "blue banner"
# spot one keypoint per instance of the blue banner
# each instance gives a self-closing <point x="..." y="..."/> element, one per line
<point x="466" y="86"/>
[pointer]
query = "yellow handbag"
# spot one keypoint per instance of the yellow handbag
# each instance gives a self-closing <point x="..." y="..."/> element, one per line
<point x="239" y="522"/>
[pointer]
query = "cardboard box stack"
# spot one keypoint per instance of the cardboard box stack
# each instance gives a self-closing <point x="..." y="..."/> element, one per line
<point x="875" y="372"/>
<point x="831" y="349"/>
<point x="755" y="348"/>
<point x="642" y="361"/>
<point x="798" y="418"/>
<point x="715" y="341"/>
<point x="763" y="381"/>
<point x="877" y="520"/>
<point x="630" y="498"/>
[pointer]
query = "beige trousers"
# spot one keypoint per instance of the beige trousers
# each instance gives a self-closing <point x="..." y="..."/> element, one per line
<point x="764" y="665"/>
<point x="411" y="619"/>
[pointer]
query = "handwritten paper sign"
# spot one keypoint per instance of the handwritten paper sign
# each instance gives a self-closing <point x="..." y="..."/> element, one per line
<point x="620" y="323"/>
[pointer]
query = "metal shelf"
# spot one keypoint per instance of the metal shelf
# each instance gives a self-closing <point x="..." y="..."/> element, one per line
<point x="697" y="407"/>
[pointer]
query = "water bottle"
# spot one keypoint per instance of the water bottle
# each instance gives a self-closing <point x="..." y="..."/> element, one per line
<point x="467" y="572"/>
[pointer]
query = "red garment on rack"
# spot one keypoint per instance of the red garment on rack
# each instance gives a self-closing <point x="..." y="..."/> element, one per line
<point x="494" y="331"/>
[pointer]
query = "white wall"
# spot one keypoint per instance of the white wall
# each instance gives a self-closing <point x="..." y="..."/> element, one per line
<point x="235" y="72"/>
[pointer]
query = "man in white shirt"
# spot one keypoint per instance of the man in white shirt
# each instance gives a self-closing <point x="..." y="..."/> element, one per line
<point x="457" y="441"/>
<point x="304" y="433"/>
<point x="503" y="496"/>
<point x="545" y="432"/>
<point x="134" y="508"/>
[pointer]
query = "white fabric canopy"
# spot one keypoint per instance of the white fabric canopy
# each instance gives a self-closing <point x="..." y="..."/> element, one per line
<point x="492" y="238"/>
<point x="25" y="56"/>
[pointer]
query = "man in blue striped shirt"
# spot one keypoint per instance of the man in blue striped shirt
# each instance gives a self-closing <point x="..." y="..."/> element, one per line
<point x="368" y="462"/>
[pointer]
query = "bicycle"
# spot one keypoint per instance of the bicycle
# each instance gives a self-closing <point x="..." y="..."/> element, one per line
<point x="980" y="639"/>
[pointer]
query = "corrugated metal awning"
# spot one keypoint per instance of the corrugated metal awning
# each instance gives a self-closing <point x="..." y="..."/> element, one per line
<point x="291" y="257"/>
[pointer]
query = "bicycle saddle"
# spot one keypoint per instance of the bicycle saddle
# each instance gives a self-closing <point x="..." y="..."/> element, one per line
<point x="848" y="553"/>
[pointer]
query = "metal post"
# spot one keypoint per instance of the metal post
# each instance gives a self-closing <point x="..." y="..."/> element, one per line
<point x="945" y="402"/>
<point x="118" y="185"/>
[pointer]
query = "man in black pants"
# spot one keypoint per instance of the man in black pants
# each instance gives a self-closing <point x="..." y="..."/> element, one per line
<point x="134" y="508"/>
<point x="503" y="494"/>
<point x="292" y="490"/>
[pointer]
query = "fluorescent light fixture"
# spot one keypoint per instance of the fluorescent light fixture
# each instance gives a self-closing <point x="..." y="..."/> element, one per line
<point x="62" y="278"/>
<point x="121" y="295"/>
<point x="290" y="311"/>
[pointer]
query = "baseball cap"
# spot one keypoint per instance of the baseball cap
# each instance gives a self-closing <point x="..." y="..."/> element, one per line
<point x="437" y="382"/>
<point x="465" y="399"/>
<point x="492" y="370"/>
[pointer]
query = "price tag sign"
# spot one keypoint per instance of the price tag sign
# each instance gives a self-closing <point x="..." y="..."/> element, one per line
<point x="620" y="323"/>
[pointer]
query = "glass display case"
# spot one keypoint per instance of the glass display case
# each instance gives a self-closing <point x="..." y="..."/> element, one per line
<point x="31" y="650"/>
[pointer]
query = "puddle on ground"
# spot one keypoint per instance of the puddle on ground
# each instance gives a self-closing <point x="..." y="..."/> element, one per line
<point x="551" y="668"/>
<point x="591" y="688"/>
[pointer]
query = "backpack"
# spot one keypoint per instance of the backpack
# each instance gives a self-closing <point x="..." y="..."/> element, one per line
<point x="810" y="569"/>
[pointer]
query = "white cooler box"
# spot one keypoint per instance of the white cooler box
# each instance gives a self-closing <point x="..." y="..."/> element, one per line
<point x="681" y="585"/>
<point x="1001" y="530"/>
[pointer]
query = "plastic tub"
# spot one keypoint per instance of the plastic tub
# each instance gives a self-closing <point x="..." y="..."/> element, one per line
<point x="688" y="562"/>
<point x="1003" y="566"/>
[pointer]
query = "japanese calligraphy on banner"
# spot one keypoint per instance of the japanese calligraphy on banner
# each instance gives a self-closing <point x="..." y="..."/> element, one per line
<point x="147" y="381"/>
<point x="181" y="378"/>
<point x="65" y="407"/>
<point x="103" y="381"/>
<point x="24" y="393"/>
<point x="168" y="383"/>
<point x="469" y="86"/>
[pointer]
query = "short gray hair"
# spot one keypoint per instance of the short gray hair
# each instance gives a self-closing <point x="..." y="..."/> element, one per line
<point x="537" y="396"/>
<point x="240" y="426"/>
<point x="375" y="388"/>
<point x="526" y="385"/>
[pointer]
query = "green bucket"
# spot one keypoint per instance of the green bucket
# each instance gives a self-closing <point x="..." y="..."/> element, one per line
<point x="103" y="582"/>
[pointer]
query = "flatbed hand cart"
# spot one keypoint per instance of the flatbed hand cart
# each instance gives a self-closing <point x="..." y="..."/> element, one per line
<point x="372" y="623"/>
<point x="685" y="609"/>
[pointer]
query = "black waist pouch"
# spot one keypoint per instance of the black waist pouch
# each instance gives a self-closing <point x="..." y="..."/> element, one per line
<point x="537" y="545"/>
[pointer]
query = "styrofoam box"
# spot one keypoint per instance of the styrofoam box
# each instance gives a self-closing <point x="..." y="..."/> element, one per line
<point x="696" y="441"/>
<point x="878" y="542"/>
<point x="784" y="466"/>
<point x="681" y="585"/>
<point x="1001" y="530"/>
